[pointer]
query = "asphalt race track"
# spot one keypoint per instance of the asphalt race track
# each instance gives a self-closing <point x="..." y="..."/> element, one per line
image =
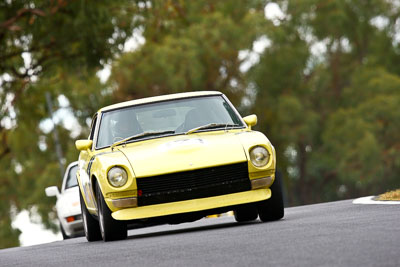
<point x="329" y="234"/>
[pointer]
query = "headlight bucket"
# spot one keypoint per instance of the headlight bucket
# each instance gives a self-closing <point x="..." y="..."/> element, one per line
<point x="117" y="176"/>
<point x="259" y="156"/>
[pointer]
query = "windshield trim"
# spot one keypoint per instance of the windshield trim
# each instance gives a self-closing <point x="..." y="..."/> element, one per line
<point x="161" y="101"/>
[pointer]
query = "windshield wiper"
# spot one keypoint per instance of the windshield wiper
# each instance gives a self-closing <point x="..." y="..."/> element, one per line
<point x="211" y="126"/>
<point x="144" y="134"/>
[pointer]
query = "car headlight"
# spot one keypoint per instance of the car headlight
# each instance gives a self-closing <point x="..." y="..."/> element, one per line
<point x="117" y="176"/>
<point x="259" y="156"/>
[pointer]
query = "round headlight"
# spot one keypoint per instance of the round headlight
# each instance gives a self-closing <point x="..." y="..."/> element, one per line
<point x="117" y="176"/>
<point x="259" y="156"/>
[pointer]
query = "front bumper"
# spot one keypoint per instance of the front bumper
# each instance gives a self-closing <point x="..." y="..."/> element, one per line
<point x="73" y="228"/>
<point x="192" y="205"/>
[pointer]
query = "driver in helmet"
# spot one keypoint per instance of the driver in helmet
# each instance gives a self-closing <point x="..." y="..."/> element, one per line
<point x="126" y="125"/>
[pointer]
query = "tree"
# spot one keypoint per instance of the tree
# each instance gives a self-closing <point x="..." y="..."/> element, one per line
<point x="330" y="140"/>
<point x="362" y="137"/>
<point x="189" y="46"/>
<point x="54" y="47"/>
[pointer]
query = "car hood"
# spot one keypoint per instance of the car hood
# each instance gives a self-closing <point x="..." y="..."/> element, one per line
<point x="183" y="153"/>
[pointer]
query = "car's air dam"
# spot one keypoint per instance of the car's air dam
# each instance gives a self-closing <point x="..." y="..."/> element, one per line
<point x="192" y="205"/>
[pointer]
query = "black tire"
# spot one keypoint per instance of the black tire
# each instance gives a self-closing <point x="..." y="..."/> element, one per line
<point x="64" y="235"/>
<point x="90" y="225"/>
<point x="272" y="209"/>
<point x="246" y="213"/>
<point x="110" y="228"/>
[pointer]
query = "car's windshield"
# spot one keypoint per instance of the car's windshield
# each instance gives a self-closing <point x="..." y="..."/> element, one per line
<point x="71" y="178"/>
<point x="165" y="118"/>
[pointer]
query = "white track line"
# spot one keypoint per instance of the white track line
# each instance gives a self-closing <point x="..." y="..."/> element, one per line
<point x="369" y="200"/>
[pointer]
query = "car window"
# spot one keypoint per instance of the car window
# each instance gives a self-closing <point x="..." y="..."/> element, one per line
<point x="71" y="178"/>
<point x="179" y="115"/>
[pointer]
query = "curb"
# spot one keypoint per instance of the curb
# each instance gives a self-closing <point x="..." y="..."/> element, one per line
<point x="370" y="200"/>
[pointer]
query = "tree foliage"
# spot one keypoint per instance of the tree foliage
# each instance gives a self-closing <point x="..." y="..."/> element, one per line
<point x="190" y="46"/>
<point x="332" y="113"/>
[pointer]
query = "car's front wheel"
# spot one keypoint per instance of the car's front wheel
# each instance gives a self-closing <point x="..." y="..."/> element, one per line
<point x="90" y="225"/>
<point x="272" y="209"/>
<point x="110" y="229"/>
<point x="246" y="213"/>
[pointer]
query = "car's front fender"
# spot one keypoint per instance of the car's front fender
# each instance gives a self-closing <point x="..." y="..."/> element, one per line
<point x="101" y="164"/>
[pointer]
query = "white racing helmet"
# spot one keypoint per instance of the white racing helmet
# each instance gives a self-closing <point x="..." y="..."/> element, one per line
<point x="125" y="124"/>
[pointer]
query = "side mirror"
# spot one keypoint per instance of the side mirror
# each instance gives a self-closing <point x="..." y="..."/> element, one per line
<point x="83" y="144"/>
<point x="52" y="191"/>
<point x="250" y="120"/>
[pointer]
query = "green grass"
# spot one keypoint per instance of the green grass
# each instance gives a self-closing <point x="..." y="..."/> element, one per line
<point x="391" y="195"/>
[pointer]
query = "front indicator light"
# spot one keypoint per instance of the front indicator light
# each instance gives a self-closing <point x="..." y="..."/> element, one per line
<point x="117" y="176"/>
<point x="259" y="156"/>
<point x="128" y="202"/>
<point x="261" y="182"/>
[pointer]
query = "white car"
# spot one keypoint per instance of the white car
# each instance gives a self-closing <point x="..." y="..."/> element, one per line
<point x="68" y="204"/>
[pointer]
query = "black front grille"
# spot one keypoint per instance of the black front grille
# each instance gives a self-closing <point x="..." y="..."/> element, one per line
<point x="187" y="185"/>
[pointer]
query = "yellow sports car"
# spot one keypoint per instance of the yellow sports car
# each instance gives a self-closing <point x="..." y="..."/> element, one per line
<point x="172" y="159"/>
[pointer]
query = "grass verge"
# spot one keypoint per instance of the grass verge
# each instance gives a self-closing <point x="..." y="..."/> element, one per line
<point x="391" y="195"/>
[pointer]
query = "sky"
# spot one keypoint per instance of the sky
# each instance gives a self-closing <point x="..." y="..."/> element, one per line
<point x="33" y="233"/>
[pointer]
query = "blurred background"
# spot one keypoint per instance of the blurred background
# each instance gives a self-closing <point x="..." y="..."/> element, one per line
<point x="323" y="76"/>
